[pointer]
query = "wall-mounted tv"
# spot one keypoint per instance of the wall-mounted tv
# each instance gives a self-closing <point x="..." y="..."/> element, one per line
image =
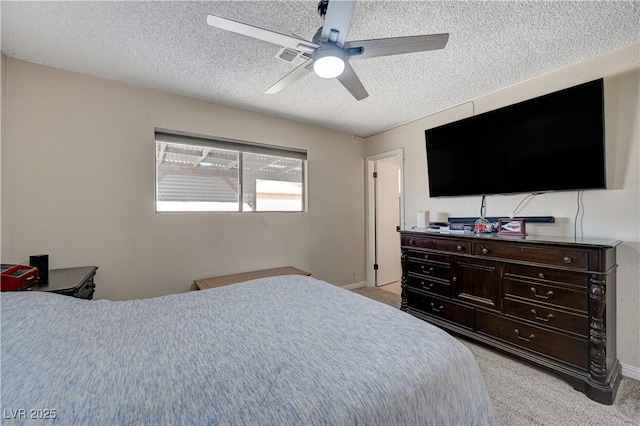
<point x="553" y="142"/>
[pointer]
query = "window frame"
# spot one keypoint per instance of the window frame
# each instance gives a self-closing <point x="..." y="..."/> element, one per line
<point x="241" y="147"/>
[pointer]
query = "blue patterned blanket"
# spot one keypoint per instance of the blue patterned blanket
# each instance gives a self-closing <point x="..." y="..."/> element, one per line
<point x="287" y="350"/>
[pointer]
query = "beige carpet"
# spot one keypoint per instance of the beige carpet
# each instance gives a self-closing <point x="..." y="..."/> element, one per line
<point x="525" y="395"/>
<point x="380" y="295"/>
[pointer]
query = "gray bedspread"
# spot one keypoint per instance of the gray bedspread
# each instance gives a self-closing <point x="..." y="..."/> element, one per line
<point x="288" y="350"/>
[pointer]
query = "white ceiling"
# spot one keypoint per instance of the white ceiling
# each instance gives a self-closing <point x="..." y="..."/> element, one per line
<point x="168" y="46"/>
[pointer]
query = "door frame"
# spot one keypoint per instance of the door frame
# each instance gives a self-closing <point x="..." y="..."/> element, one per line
<point x="370" y="273"/>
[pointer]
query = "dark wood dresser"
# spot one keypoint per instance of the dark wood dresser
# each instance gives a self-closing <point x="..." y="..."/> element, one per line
<point x="549" y="301"/>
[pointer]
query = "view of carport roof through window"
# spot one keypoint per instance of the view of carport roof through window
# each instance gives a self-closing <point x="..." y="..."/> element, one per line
<point x="206" y="178"/>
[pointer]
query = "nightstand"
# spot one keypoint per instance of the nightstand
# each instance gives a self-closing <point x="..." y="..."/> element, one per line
<point x="75" y="282"/>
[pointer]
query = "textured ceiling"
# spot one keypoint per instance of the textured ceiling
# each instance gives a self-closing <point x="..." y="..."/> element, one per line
<point x="168" y="46"/>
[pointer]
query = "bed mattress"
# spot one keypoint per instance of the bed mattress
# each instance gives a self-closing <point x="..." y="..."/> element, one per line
<point x="288" y="350"/>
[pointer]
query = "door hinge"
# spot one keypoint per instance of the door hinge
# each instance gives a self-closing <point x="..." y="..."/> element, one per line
<point x="398" y="228"/>
<point x="375" y="266"/>
<point x="375" y="175"/>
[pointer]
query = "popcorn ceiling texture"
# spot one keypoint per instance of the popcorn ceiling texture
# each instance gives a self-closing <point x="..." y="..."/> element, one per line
<point x="168" y="46"/>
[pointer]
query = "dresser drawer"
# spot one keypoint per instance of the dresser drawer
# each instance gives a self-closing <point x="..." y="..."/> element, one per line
<point x="428" y="256"/>
<point x="551" y="275"/>
<point x="562" y="297"/>
<point x="429" y="270"/>
<point x="420" y="241"/>
<point x="549" y="317"/>
<point x="568" y="349"/>
<point x="440" y="308"/>
<point x="571" y="258"/>
<point x="442" y="288"/>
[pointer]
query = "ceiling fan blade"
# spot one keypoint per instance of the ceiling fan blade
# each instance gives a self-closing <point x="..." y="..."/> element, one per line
<point x="352" y="83"/>
<point x="298" y="72"/>
<point x="396" y="45"/>
<point x="261" y="34"/>
<point x="338" y="18"/>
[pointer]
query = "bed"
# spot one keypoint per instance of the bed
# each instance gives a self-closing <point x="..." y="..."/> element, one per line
<point x="286" y="350"/>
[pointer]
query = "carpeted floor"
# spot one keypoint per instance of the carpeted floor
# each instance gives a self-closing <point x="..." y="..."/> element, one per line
<point x="525" y="395"/>
<point x="380" y="295"/>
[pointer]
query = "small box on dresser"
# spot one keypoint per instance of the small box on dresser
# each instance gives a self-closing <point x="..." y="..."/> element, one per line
<point x="548" y="301"/>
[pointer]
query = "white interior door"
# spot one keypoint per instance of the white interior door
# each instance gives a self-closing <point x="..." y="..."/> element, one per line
<point x="387" y="219"/>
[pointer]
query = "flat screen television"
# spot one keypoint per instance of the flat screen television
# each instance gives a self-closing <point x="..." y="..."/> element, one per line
<point x="553" y="142"/>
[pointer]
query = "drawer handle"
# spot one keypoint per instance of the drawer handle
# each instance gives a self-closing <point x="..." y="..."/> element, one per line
<point x="484" y="250"/>
<point x="426" y="286"/>
<point x="535" y="315"/>
<point x="459" y="248"/>
<point x="426" y="256"/>
<point x="427" y="271"/>
<point x="455" y="279"/>
<point x="541" y="276"/>
<point x="412" y="243"/>
<point x="526" y="339"/>
<point x="541" y="296"/>
<point x="567" y="259"/>
<point x="434" y="309"/>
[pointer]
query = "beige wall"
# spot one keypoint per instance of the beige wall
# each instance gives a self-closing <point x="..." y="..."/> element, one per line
<point x="80" y="187"/>
<point x="612" y="213"/>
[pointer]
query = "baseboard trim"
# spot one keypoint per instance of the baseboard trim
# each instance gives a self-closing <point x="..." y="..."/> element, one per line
<point x="630" y="371"/>
<point x="354" y="285"/>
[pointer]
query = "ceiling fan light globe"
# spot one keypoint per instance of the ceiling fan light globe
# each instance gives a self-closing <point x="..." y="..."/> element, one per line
<point x="328" y="66"/>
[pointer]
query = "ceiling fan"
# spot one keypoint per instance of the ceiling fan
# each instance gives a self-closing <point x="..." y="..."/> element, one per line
<point x="328" y="53"/>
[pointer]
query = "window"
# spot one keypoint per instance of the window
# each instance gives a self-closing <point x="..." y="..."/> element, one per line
<point x="196" y="173"/>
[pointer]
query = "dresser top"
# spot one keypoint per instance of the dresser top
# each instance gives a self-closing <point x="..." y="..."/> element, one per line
<point x="542" y="239"/>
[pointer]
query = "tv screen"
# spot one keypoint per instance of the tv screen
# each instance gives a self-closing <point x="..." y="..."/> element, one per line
<point x="553" y="142"/>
